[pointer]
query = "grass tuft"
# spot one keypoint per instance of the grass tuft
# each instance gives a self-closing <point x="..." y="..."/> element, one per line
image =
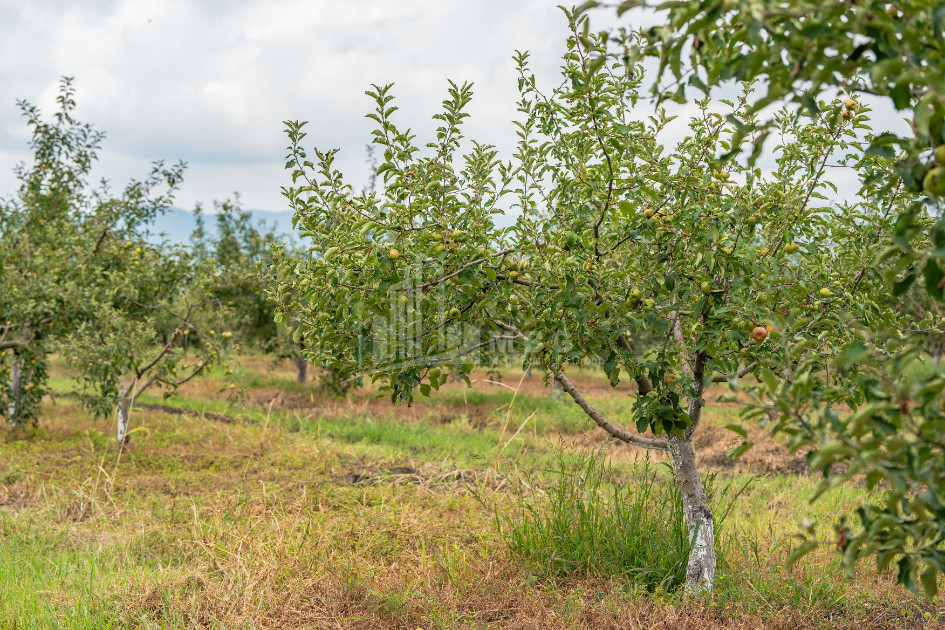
<point x="593" y="522"/>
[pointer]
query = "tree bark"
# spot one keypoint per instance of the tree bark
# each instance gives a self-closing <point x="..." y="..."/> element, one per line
<point x="16" y="389"/>
<point x="700" y="570"/>
<point x="301" y="368"/>
<point x="124" y="414"/>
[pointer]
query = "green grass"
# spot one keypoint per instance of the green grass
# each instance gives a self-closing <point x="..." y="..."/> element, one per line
<point x="594" y="522"/>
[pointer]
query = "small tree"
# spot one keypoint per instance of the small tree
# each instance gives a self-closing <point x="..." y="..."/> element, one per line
<point x="615" y="239"/>
<point x="55" y="239"/>
<point x="155" y="322"/>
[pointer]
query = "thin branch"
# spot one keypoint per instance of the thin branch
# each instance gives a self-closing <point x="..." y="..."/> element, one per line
<point x="619" y="433"/>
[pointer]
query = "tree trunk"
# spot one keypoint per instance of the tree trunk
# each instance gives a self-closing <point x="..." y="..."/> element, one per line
<point x="124" y="414"/>
<point x="16" y="388"/>
<point x="301" y="367"/>
<point x="700" y="570"/>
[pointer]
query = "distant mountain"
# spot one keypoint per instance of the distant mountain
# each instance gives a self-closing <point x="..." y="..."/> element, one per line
<point x="177" y="224"/>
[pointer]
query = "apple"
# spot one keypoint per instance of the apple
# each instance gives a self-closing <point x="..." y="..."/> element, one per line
<point x="790" y="248"/>
<point x="636" y="295"/>
<point x="439" y="248"/>
<point x="850" y="104"/>
<point x="649" y="212"/>
<point x="513" y="275"/>
<point x="649" y="303"/>
<point x="847" y="114"/>
<point x="435" y="372"/>
<point x="761" y="298"/>
<point x="706" y="288"/>
<point x="934" y="181"/>
<point x="759" y="333"/>
<point x="940" y="154"/>
<point x="454" y="313"/>
<point x="393" y="254"/>
<point x="825" y="292"/>
<point x="695" y="329"/>
<point x="669" y="380"/>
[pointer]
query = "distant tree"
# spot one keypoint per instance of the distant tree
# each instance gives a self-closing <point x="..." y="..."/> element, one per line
<point x="58" y="240"/>
<point x="615" y="239"/>
<point x="155" y="322"/>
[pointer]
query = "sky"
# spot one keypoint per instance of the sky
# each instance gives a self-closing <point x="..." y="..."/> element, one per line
<point x="210" y="81"/>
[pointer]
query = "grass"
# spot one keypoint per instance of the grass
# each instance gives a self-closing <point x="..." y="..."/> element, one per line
<point x="594" y="522"/>
<point x="312" y="512"/>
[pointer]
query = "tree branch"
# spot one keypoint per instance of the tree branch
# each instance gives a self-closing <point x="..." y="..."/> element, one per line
<point x="619" y="433"/>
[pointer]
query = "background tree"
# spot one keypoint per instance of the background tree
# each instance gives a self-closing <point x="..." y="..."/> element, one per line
<point x="615" y="239"/>
<point x="155" y="321"/>
<point x="54" y="235"/>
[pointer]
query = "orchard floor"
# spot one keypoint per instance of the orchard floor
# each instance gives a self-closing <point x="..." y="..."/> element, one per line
<point x="293" y="509"/>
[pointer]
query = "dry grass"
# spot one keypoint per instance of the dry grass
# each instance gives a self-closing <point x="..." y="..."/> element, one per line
<point x="306" y="515"/>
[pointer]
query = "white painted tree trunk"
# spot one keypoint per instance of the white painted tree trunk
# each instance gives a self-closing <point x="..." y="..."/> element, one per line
<point x="16" y="388"/>
<point x="124" y="413"/>
<point x="700" y="570"/>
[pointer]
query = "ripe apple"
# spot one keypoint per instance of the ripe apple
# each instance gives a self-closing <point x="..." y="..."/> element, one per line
<point x="759" y="333"/>
<point x="850" y="104"/>
<point x="934" y="181"/>
<point x="454" y="313"/>
<point x="847" y="114"/>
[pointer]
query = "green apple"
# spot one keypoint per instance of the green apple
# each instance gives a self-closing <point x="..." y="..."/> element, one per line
<point x="825" y="292"/>
<point x="454" y="313"/>
<point x="393" y="254"/>
<point x="934" y="181"/>
<point x="940" y="154"/>
<point x="435" y="372"/>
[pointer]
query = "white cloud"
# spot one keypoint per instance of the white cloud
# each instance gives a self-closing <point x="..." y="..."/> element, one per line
<point x="210" y="81"/>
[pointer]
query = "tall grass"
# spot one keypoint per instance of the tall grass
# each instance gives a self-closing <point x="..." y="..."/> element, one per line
<point x="594" y="522"/>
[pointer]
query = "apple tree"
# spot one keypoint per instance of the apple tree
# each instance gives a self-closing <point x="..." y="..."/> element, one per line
<point x="892" y="51"/>
<point x="615" y="238"/>
<point x="56" y="234"/>
<point x="155" y="321"/>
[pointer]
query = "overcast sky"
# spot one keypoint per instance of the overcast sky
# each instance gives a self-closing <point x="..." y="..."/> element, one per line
<point x="210" y="81"/>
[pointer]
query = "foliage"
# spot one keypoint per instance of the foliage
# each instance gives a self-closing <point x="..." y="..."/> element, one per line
<point x="60" y="240"/>
<point x="803" y="49"/>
